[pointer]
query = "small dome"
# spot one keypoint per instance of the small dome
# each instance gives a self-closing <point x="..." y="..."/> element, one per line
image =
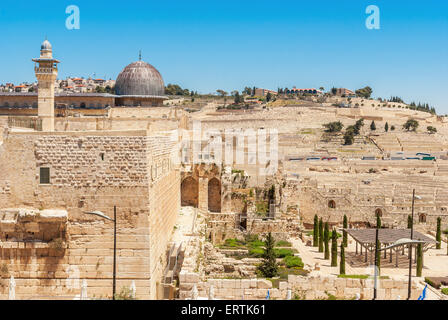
<point x="140" y="79"/>
<point x="46" y="45"/>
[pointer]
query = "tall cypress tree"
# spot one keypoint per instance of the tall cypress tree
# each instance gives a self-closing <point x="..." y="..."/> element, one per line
<point x="409" y="222"/>
<point x="327" y="241"/>
<point x="378" y="257"/>
<point x="269" y="267"/>
<point x="386" y="127"/>
<point x="345" y="236"/>
<point x="334" y="248"/>
<point x="378" y="221"/>
<point x="342" y="262"/>
<point x="419" y="260"/>
<point x="321" y="236"/>
<point x="439" y="233"/>
<point x="316" y="231"/>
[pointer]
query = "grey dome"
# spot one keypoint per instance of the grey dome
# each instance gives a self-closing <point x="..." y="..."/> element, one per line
<point x="46" y="45"/>
<point x="140" y="79"/>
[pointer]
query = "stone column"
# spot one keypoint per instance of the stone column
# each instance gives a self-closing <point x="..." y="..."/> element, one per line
<point x="203" y="194"/>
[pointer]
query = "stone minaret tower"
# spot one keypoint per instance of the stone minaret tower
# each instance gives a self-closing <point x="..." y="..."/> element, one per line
<point x="46" y="69"/>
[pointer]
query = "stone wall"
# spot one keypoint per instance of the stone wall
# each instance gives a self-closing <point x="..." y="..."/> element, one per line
<point x="315" y="287"/>
<point x="91" y="172"/>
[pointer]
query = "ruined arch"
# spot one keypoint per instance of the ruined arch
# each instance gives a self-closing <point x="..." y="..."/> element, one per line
<point x="214" y="195"/>
<point x="378" y="212"/>
<point x="189" y="191"/>
<point x="332" y="204"/>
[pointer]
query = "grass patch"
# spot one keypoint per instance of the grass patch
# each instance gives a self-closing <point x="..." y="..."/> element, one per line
<point x="282" y="253"/>
<point x="283" y="243"/>
<point x="445" y="291"/>
<point x="293" y="262"/>
<point x="262" y="208"/>
<point x="256" y="252"/>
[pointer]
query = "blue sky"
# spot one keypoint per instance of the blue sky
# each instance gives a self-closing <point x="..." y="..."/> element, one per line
<point x="209" y="45"/>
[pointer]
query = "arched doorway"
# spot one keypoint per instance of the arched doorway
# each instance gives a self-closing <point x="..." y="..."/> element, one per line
<point x="378" y="213"/>
<point x="189" y="191"/>
<point x="332" y="204"/>
<point x="214" y="195"/>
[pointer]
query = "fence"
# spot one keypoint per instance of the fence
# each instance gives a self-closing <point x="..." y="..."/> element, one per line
<point x="25" y="122"/>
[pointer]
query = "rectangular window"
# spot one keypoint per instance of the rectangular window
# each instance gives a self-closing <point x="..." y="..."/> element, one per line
<point x="44" y="175"/>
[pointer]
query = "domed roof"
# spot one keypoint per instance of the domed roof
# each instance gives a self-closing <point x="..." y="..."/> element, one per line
<point x="46" y="45"/>
<point x="140" y="79"/>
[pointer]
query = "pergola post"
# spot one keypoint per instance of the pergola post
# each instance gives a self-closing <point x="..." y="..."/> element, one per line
<point x="385" y="254"/>
<point x="390" y="256"/>
<point x="366" y="253"/>
<point x="356" y="248"/>
<point x="397" y="252"/>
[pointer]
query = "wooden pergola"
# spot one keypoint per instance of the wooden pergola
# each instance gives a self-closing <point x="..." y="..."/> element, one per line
<point x="366" y="239"/>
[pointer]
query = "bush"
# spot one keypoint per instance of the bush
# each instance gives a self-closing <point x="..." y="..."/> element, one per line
<point x="333" y="127"/>
<point x="256" y="244"/>
<point x="445" y="291"/>
<point x="233" y="243"/>
<point x="293" y="262"/>
<point x="125" y="294"/>
<point x="434" y="284"/>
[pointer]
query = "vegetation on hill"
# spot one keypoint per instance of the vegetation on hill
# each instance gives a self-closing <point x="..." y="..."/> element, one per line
<point x="364" y="92"/>
<point x="333" y="127"/>
<point x="176" y="90"/>
<point x="411" y="125"/>
<point x="431" y="130"/>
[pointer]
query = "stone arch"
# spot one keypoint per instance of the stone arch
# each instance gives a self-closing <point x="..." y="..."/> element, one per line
<point x="214" y="195"/>
<point x="189" y="191"/>
<point x="332" y="204"/>
<point x="378" y="212"/>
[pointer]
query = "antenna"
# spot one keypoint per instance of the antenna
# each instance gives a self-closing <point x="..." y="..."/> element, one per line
<point x="140" y="55"/>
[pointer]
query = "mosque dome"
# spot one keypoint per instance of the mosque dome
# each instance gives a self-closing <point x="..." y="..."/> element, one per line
<point x="46" y="45"/>
<point x="140" y="79"/>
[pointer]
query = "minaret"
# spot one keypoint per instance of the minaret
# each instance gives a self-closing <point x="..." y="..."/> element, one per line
<point x="46" y="69"/>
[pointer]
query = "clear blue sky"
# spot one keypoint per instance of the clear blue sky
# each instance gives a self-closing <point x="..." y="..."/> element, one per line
<point x="209" y="45"/>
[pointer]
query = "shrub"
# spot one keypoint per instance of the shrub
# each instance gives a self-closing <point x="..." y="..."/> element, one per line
<point x="233" y="243"/>
<point x="293" y="262"/>
<point x="268" y="268"/>
<point x="256" y="244"/>
<point x="333" y="127"/>
<point x="445" y="291"/>
<point x="125" y="294"/>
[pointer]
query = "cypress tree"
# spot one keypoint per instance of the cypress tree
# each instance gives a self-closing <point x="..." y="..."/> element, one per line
<point x="386" y="127"/>
<point x="316" y="231"/>
<point x="378" y="257"/>
<point x="342" y="262"/>
<point x="269" y="268"/>
<point x="419" y="260"/>
<point x="439" y="233"/>
<point x="327" y="241"/>
<point x="345" y="235"/>
<point x="409" y="222"/>
<point x="373" y="126"/>
<point x="321" y="236"/>
<point x="334" y="248"/>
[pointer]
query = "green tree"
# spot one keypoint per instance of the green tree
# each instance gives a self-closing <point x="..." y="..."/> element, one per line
<point x="386" y="127"/>
<point x="334" y="248"/>
<point x="349" y="136"/>
<point x="268" y="267"/>
<point x="392" y="128"/>
<point x="378" y="256"/>
<point x="327" y="241"/>
<point x="342" y="262"/>
<point x="345" y="235"/>
<point x="321" y="236"/>
<point x="431" y="130"/>
<point x="268" y="97"/>
<point x="316" y="231"/>
<point x="419" y="260"/>
<point x="364" y="92"/>
<point x="439" y="233"/>
<point x="373" y="126"/>
<point x="333" y="127"/>
<point x="411" y="125"/>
